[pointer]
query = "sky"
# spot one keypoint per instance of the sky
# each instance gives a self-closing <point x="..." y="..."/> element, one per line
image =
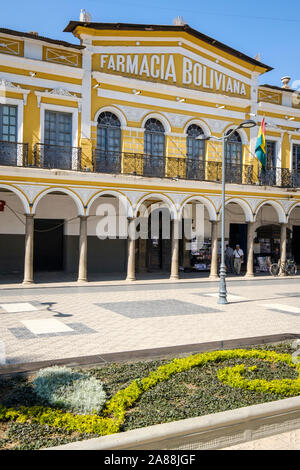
<point x="270" y="28"/>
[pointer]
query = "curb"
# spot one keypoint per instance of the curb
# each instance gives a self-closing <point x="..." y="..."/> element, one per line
<point x="144" y="354"/>
<point x="214" y="431"/>
<point x="138" y="282"/>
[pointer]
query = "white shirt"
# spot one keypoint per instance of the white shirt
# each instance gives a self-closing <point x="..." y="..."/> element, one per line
<point x="238" y="254"/>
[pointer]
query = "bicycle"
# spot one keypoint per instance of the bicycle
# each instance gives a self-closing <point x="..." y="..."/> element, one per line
<point x="289" y="268"/>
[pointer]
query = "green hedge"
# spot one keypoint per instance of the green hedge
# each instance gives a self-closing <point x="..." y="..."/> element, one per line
<point x="114" y="412"/>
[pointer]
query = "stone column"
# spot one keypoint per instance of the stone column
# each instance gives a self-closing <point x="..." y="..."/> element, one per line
<point x="250" y="243"/>
<point x="214" y="250"/>
<point x="283" y="246"/>
<point x="28" y="262"/>
<point x="82" y="268"/>
<point x="175" y="250"/>
<point x="131" y="251"/>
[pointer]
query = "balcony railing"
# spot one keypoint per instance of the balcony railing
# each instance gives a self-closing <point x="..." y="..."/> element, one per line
<point x="63" y="157"/>
<point x="69" y="158"/>
<point x="13" y="153"/>
<point x="169" y="167"/>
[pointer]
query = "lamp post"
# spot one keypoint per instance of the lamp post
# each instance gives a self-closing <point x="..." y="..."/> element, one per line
<point x="222" y="285"/>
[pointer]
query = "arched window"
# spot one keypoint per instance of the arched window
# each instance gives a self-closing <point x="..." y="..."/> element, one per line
<point x="154" y="138"/>
<point x="195" y="163"/>
<point x="195" y="147"/>
<point x="233" y="158"/>
<point x="109" y="132"/>
<point x="154" y="148"/>
<point x="233" y="149"/>
<point x="108" y="153"/>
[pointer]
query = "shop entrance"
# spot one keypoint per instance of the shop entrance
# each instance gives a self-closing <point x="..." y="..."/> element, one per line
<point x="296" y="243"/>
<point x="48" y="244"/>
<point x="158" y="255"/>
<point x="267" y="246"/>
<point x="238" y="236"/>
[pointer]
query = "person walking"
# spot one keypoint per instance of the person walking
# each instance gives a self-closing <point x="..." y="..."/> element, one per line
<point x="229" y="259"/>
<point x="238" y="256"/>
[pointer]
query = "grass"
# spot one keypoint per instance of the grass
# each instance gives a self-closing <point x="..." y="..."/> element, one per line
<point x="188" y="394"/>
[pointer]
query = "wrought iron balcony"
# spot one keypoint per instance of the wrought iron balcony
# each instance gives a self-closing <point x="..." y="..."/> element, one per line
<point x="63" y="157"/>
<point x="13" y="153"/>
<point x="281" y="177"/>
<point x="190" y="169"/>
<point x="107" y="162"/>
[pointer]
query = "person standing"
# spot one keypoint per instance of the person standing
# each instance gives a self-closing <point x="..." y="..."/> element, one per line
<point x="229" y="259"/>
<point x="238" y="256"/>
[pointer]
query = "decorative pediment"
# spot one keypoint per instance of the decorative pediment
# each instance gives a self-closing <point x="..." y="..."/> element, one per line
<point x="6" y="85"/>
<point x="58" y="92"/>
<point x="61" y="92"/>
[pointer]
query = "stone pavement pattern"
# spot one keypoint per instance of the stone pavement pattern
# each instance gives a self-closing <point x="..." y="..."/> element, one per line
<point x="46" y="322"/>
<point x="284" y="441"/>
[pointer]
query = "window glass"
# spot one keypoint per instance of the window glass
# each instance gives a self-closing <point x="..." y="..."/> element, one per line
<point x="109" y="132"/>
<point x="296" y="158"/>
<point x="233" y="149"/>
<point x="58" y="128"/>
<point x="271" y="153"/>
<point x="195" y="147"/>
<point x="8" y="123"/>
<point x="154" y="143"/>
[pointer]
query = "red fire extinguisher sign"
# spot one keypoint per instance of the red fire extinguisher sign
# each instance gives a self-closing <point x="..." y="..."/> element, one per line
<point x="2" y="205"/>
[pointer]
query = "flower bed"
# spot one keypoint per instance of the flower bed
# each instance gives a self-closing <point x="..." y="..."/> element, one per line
<point x="149" y="393"/>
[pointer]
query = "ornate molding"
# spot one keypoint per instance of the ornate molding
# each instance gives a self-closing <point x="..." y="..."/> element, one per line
<point x="6" y="85"/>
<point x="58" y="92"/>
<point x="62" y="57"/>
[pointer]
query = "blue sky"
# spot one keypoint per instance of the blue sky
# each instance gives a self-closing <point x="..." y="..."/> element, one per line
<point x="251" y="27"/>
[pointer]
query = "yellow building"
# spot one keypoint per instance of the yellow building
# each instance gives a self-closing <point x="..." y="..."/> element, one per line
<point x="115" y="121"/>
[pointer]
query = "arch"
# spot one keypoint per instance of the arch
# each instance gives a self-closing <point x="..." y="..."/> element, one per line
<point x="198" y="122"/>
<point x="242" y="133"/>
<point x="160" y="118"/>
<point x="120" y="196"/>
<point x="21" y="195"/>
<point x="205" y="201"/>
<point x="249" y="217"/>
<point x="282" y="217"/>
<point x="162" y="197"/>
<point x="78" y="201"/>
<point x="113" y="110"/>
<point x="296" y="204"/>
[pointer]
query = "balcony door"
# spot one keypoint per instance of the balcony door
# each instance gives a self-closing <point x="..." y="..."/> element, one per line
<point x="233" y="158"/>
<point x="195" y="162"/>
<point x="8" y="135"/>
<point x="296" y="165"/>
<point x="154" y="148"/>
<point x="108" y="153"/>
<point x="268" y="175"/>
<point x="57" y="149"/>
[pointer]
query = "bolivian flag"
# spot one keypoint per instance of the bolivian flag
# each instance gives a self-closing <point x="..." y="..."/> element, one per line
<point x="260" y="148"/>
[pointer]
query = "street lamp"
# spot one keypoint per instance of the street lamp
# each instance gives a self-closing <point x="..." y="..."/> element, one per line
<point x="243" y="125"/>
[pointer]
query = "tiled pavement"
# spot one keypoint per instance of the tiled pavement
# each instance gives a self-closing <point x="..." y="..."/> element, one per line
<point x="284" y="441"/>
<point x="47" y="322"/>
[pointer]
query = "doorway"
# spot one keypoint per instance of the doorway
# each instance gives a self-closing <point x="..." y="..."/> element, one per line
<point x="238" y="236"/>
<point x="48" y="244"/>
<point x="158" y="256"/>
<point x="296" y="243"/>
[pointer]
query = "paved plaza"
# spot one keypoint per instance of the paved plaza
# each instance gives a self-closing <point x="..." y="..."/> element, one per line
<point x="58" y="321"/>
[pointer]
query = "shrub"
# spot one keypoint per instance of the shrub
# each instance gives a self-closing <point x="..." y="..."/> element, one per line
<point x="113" y="414"/>
<point x="70" y="390"/>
